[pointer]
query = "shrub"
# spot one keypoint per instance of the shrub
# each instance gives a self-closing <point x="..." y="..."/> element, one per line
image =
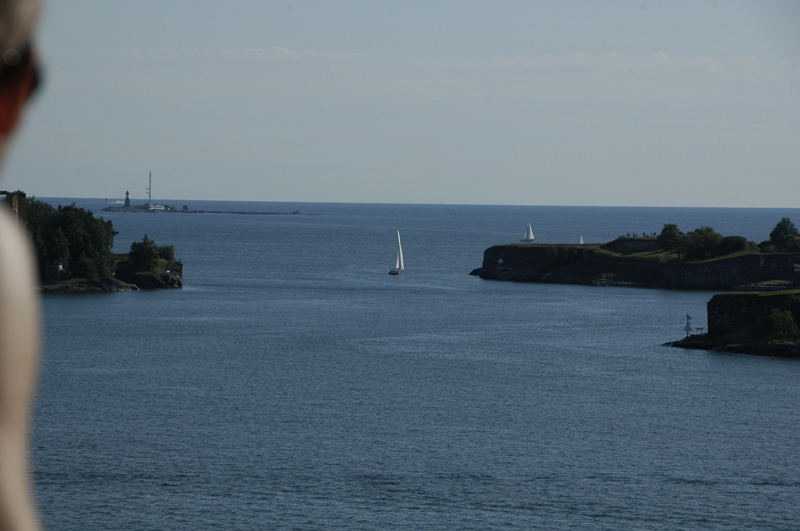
<point x="701" y="243"/>
<point x="731" y="244"/>
<point x="781" y="323"/>
<point x="166" y="252"/>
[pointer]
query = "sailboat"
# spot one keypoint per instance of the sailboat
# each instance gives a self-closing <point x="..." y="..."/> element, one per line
<point x="398" y="262"/>
<point x="528" y="234"/>
<point x="581" y="239"/>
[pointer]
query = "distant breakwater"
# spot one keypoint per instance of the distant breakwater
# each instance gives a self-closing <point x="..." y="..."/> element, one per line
<point x="144" y="209"/>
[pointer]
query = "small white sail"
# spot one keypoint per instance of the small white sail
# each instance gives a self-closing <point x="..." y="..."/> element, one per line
<point x="581" y="239"/>
<point x="528" y="234"/>
<point x="399" y="260"/>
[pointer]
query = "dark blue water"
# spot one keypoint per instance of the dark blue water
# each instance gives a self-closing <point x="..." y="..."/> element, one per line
<point x="293" y="384"/>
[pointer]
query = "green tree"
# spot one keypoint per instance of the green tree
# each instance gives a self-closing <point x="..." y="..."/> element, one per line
<point x="73" y="237"/>
<point x="89" y="242"/>
<point x="784" y="236"/>
<point x="143" y="255"/>
<point x="49" y="241"/>
<point x="166" y="252"/>
<point x="670" y="237"/>
<point x="732" y="244"/>
<point x="701" y="243"/>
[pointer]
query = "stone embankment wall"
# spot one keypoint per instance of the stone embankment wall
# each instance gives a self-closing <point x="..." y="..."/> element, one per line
<point x="527" y="263"/>
<point x="591" y="264"/>
<point x="746" y="312"/>
<point x="737" y="271"/>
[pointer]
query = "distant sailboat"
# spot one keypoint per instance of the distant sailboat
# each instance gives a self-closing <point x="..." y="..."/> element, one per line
<point x="581" y="239"/>
<point x="528" y="234"/>
<point x="398" y="261"/>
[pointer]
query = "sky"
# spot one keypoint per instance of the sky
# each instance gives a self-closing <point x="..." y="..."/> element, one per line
<point x="617" y="103"/>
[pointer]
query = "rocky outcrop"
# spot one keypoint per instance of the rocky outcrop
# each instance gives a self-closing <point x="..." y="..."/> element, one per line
<point x="99" y="285"/>
<point x="527" y="263"/>
<point x="742" y="323"/>
<point x="595" y="265"/>
<point x="170" y="276"/>
<point x="739" y="344"/>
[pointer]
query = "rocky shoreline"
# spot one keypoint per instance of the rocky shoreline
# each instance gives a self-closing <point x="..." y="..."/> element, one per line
<point x="170" y="276"/>
<point x="104" y="284"/>
<point x="758" y="323"/>
<point x="739" y="343"/>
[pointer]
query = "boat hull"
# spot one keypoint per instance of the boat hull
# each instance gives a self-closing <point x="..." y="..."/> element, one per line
<point x="394" y="271"/>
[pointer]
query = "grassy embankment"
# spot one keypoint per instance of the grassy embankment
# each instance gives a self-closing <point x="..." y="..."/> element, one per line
<point x="562" y="254"/>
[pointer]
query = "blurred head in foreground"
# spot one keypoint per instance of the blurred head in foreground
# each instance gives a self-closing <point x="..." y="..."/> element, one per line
<point x="19" y="307"/>
<point x="18" y="69"/>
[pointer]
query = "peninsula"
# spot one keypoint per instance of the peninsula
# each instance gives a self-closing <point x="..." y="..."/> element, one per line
<point x="635" y="263"/>
<point x="700" y="260"/>
<point x="74" y="252"/>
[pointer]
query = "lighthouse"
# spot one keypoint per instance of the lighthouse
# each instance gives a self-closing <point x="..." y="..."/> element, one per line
<point x="127" y="199"/>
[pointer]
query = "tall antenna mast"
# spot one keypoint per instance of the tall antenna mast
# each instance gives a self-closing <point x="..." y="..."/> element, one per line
<point x="150" y="189"/>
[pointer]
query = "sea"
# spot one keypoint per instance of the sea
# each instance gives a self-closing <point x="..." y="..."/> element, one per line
<point x="292" y="384"/>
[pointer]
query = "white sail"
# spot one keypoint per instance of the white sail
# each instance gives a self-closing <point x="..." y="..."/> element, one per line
<point x="399" y="260"/>
<point x="528" y="234"/>
<point x="581" y="239"/>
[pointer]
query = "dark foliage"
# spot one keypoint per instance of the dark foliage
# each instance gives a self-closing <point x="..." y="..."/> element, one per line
<point x="794" y="307"/>
<point x="670" y="237"/>
<point x="784" y="236"/>
<point x="701" y="243"/>
<point x="731" y="244"/>
<point x="143" y="255"/>
<point x="781" y="323"/>
<point x="166" y="252"/>
<point x="73" y="237"/>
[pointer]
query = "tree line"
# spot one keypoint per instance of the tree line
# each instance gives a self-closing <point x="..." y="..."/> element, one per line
<point x="83" y="244"/>
<point x="704" y="242"/>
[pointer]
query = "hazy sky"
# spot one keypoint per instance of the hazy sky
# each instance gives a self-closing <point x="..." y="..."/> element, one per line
<point x="537" y="103"/>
